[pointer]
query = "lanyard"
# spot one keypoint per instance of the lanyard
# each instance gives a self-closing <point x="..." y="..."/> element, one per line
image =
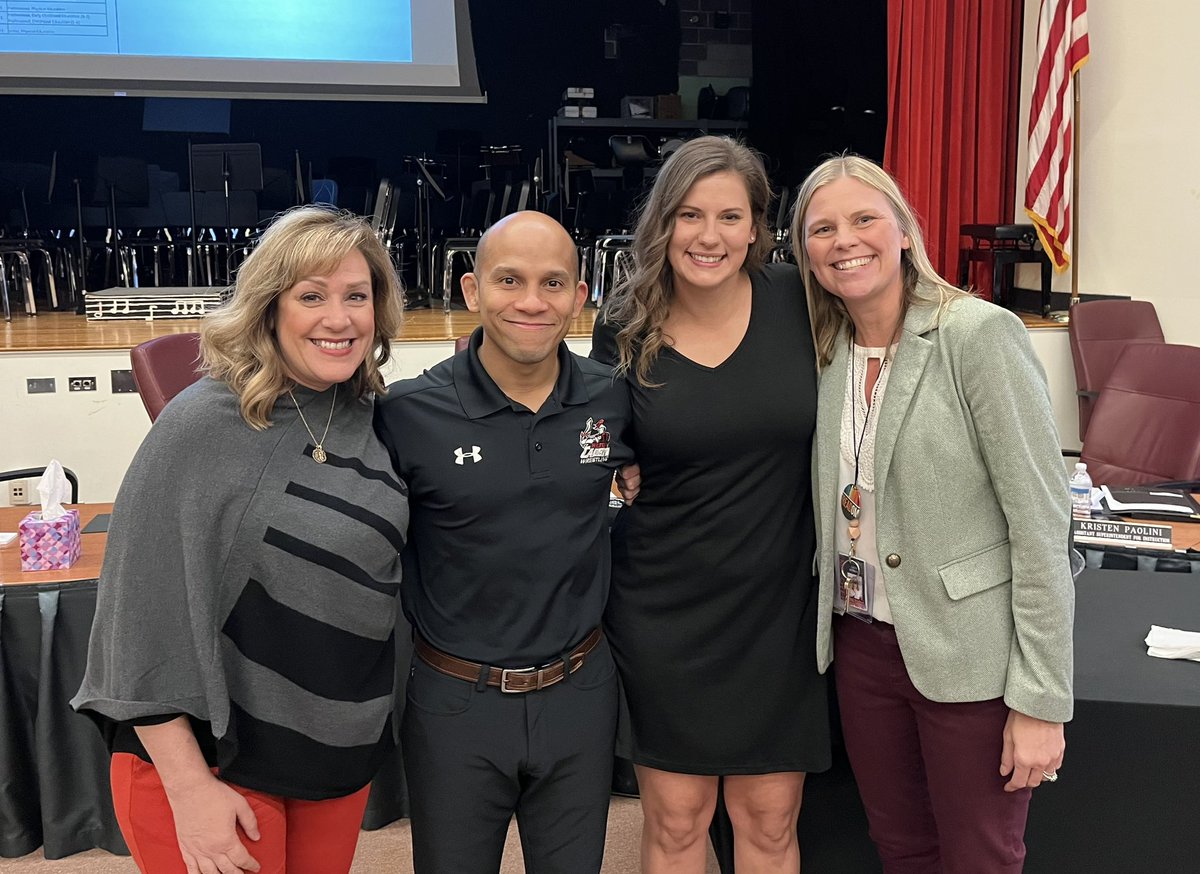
<point x="851" y="499"/>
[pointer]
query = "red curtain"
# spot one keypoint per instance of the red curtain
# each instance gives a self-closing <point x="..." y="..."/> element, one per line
<point x="953" y="76"/>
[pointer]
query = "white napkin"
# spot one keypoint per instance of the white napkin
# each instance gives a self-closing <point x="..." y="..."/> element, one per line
<point x="1171" y="643"/>
<point x="53" y="490"/>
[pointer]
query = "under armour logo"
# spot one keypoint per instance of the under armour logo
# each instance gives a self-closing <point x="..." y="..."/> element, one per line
<point x="460" y="455"/>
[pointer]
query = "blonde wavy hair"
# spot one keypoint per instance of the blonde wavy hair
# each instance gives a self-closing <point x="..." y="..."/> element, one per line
<point x="641" y="304"/>
<point x="238" y="343"/>
<point x="922" y="283"/>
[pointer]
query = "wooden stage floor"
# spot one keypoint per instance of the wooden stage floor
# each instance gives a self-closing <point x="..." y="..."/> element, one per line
<point x="59" y="332"/>
<point x="65" y="332"/>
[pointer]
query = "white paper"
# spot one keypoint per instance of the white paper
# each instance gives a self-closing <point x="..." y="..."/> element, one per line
<point x="1171" y="643"/>
<point x="53" y="490"/>
<point x="1118" y="506"/>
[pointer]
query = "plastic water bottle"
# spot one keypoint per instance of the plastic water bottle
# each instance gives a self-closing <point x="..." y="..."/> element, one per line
<point x="1081" y="493"/>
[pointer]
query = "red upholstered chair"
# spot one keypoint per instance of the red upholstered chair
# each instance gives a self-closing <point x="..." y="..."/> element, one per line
<point x="1099" y="331"/>
<point x="163" y="367"/>
<point x="461" y="343"/>
<point x="1145" y="427"/>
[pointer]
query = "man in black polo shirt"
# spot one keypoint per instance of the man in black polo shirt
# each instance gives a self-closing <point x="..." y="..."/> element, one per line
<point x="508" y="449"/>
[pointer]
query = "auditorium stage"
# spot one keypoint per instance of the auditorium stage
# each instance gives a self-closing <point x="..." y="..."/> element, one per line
<point x="64" y="332"/>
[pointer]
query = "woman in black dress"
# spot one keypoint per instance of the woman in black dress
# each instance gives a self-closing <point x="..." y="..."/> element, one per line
<point x="712" y="612"/>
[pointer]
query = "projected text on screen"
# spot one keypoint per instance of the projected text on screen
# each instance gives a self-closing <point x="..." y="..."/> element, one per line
<point x="378" y="31"/>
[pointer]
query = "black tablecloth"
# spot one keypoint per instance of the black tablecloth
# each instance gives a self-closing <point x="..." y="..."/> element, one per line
<point x="53" y="763"/>
<point x="54" y="788"/>
<point x="1130" y="788"/>
<point x="1117" y="558"/>
<point x="1127" y="799"/>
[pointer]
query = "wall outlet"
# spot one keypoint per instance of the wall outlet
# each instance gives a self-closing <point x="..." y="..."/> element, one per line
<point x="18" y="492"/>
<point x="122" y="382"/>
<point x="81" y="383"/>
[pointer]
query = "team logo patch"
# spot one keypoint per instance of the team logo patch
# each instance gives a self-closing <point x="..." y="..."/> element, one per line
<point x="461" y="455"/>
<point x="594" y="440"/>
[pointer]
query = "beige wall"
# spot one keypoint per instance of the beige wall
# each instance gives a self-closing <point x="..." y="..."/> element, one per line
<point x="1139" y="203"/>
<point x="96" y="433"/>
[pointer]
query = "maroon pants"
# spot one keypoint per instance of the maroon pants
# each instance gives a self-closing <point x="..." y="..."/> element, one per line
<point x="928" y="773"/>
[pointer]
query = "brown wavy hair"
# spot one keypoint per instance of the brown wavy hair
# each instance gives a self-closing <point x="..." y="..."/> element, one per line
<point x="641" y="304"/>
<point x="237" y="342"/>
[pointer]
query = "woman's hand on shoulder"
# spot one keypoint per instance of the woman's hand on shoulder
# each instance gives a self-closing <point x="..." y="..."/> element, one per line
<point x="207" y="813"/>
<point x="1032" y="751"/>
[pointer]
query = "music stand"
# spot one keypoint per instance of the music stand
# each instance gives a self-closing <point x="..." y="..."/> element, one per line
<point x="427" y="186"/>
<point x="463" y="146"/>
<point x="301" y="197"/>
<point x="224" y="167"/>
<point x="123" y="182"/>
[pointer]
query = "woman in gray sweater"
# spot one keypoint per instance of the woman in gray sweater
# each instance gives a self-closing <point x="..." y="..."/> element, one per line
<point x="241" y="663"/>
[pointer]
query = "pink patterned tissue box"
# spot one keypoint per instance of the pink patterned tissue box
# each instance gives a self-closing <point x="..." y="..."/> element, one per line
<point x="49" y="546"/>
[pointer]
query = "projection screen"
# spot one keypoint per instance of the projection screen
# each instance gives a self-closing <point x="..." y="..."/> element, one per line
<point x="297" y="49"/>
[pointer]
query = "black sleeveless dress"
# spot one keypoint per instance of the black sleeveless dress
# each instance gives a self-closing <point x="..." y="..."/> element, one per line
<point x="712" y="614"/>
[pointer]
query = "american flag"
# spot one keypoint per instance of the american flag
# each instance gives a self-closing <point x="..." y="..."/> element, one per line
<point x="1062" y="48"/>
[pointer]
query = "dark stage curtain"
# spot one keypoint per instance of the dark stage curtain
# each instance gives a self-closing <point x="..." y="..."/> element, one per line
<point x="953" y="77"/>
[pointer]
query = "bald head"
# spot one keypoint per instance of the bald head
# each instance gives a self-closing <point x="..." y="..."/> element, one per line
<point x="526" y="289"/>
<point x="522" y="231"/>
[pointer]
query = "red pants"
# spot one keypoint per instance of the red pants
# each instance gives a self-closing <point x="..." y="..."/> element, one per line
<point x="295" y="837"/>
<point x="928" y="772"/>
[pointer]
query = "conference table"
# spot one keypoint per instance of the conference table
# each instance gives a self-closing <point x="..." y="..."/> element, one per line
<point x="1129" y="789"/>
<point x="54" y="788"/>
<point x="1183" y="559"/>
<point x="53" y="762"/>
<point x="1126" y="801"/>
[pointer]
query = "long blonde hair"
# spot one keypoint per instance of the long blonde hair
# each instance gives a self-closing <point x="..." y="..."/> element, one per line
<point x="922" y="283"/>
<point x="237" y="342"/>
<point x="641" y="304"/>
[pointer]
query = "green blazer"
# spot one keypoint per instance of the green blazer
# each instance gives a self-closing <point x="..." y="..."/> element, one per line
<point x="973" y="511"/>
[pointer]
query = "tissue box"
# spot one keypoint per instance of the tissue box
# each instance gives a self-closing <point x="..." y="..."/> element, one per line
<point x="49" y="546"/>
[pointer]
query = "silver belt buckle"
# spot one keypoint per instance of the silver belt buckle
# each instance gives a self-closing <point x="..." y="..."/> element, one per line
<point x="505" y="672"/>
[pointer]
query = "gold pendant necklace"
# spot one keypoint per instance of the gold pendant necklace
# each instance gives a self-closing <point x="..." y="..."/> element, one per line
<point x="318" y="453"/>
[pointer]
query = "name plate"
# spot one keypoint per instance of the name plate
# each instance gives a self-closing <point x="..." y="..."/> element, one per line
<point x="148" y="304"/>
<point x="1118" y="532"/>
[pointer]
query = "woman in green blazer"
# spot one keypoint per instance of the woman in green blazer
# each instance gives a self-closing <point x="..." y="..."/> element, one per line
<point x="942" y="527"/>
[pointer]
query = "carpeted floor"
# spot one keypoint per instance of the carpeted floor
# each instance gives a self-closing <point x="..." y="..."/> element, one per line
<point x="385" y="851"/>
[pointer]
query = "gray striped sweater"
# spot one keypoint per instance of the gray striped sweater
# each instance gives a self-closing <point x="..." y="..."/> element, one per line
<point x="255" y="590"/>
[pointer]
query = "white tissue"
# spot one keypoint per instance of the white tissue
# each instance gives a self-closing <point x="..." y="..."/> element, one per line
<point x="53" y="490"/>
<point x="1171" y="643"/>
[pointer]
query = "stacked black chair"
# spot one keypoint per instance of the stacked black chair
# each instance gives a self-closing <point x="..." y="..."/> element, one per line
<point x="479" y="213"/>
<point x="27" y="263"/>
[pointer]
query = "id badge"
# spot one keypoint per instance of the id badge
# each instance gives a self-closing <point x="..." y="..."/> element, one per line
<point x="854" y="592"/>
